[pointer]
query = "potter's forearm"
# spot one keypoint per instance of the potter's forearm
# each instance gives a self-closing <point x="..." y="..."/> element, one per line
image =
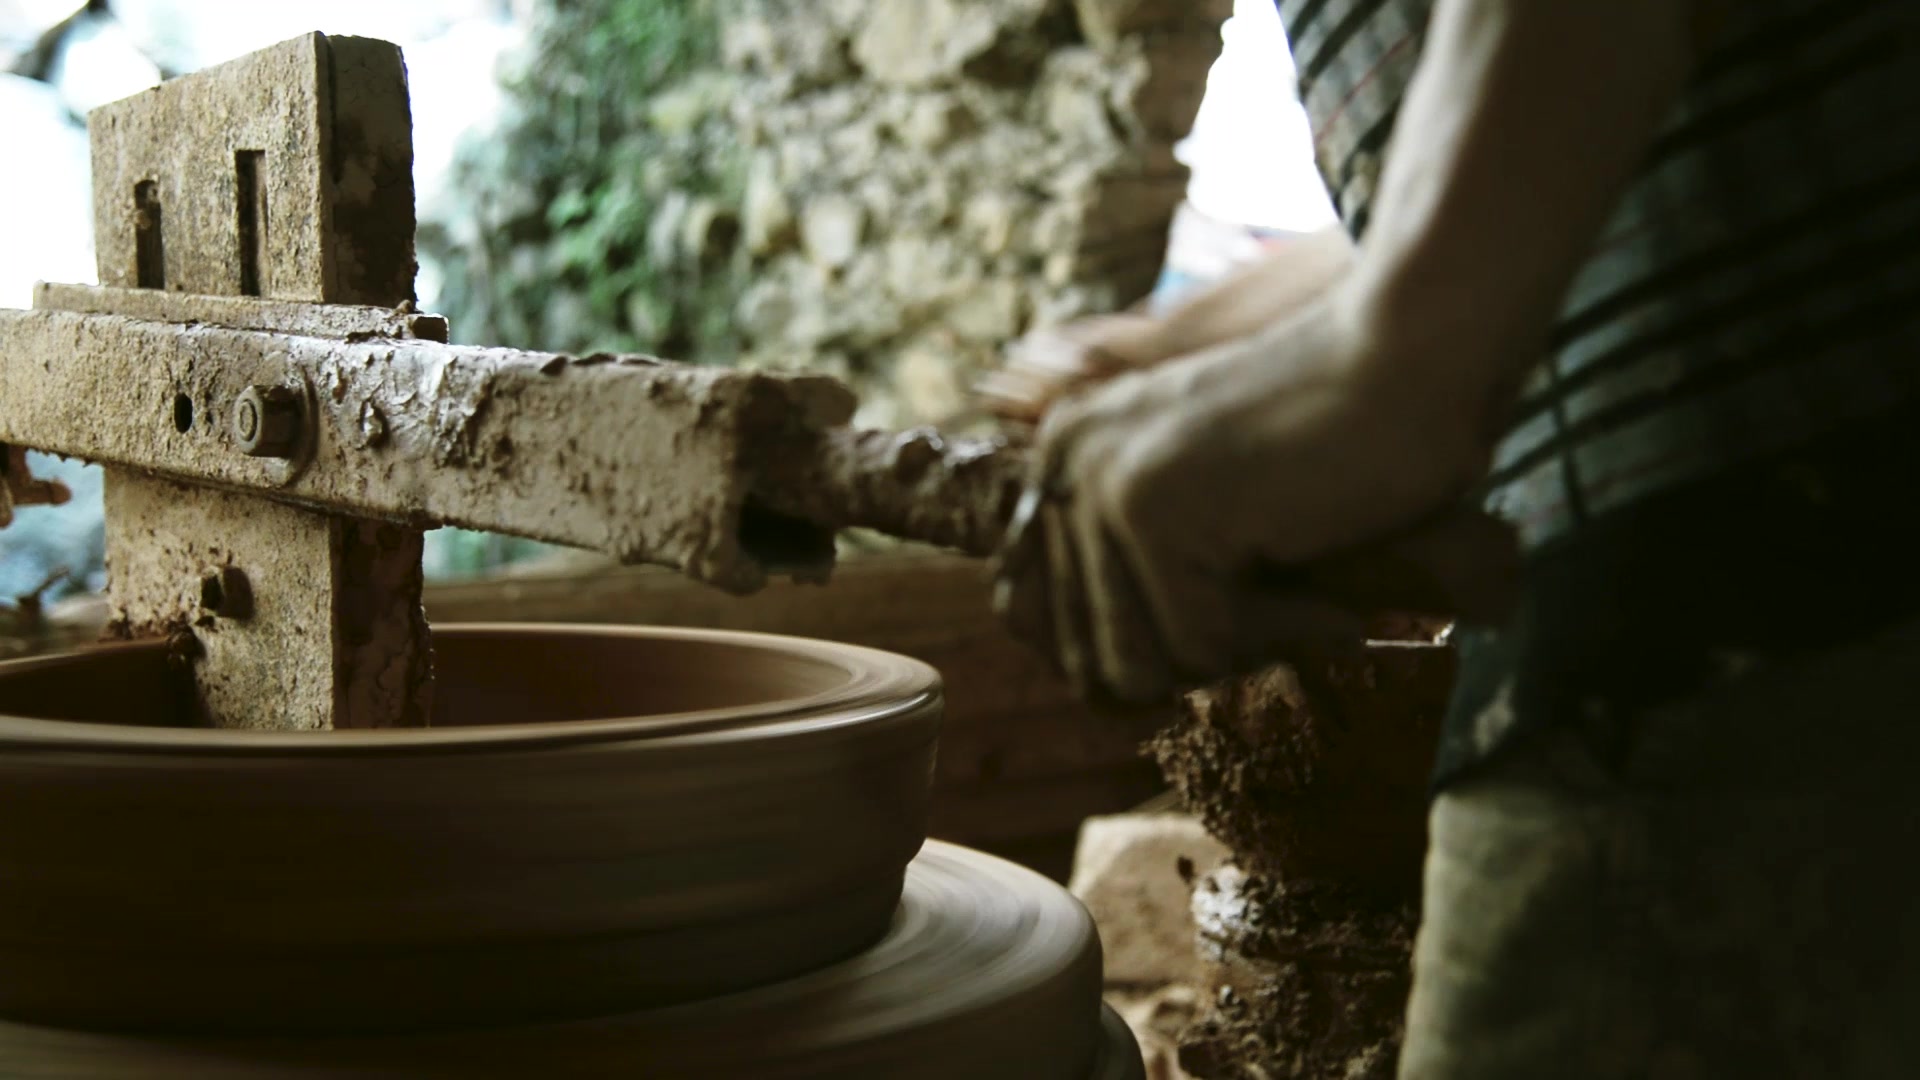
<point x="1258" y="295"/>
<point x="1522" y="127"/>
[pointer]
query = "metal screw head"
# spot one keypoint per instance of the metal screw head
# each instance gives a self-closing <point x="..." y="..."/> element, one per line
<point x="267" y="421"/>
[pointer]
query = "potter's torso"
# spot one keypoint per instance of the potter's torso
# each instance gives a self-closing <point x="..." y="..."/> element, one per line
<point x="1755" y="295"/>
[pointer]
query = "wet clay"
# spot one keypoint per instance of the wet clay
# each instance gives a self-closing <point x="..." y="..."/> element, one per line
<point x="1318" y="770"/>
<point x="1315" y="775"/>
<point x="729" y="811"/>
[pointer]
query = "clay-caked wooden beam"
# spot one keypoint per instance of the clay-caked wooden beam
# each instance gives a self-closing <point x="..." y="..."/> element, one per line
<point x="285" y="174"/>
<point x="675" y="464"/>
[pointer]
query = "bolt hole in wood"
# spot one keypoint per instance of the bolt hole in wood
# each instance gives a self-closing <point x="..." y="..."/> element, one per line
<point x="779" y="541"/>
<point x="251" y="204"/>
<point x="182" y="413"/>
<point x="149" y="252"/>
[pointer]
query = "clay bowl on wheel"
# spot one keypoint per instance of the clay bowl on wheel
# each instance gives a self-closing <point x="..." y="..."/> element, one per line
<point x="601" y="819"/>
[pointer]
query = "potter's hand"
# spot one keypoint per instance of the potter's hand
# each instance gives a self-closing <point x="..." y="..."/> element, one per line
<point x="1159" y="493"/>
<point x="1049" y="365"/>
<point x="1163" y="487"/>
<point x="1054" y="362"/>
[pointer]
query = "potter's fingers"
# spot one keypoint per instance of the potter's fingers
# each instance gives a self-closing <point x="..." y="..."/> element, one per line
<point x="1013" y="410"/>
<point x="1071" y="632"/>
<point x="1022" y="593"/>
<point x="1459" y="564"/>
<point x="1067" y="441"/>
<point x="1033" y="394"/>
<point x="1024" y="603"/>
<point x="1014" y="398"/>
<point x="1127" y="651"/>
<point x="1047" y="360"/>
<point x="1220" y="626"/>
<point x="1187" y="605"/>
<point x="1003" y="383"/>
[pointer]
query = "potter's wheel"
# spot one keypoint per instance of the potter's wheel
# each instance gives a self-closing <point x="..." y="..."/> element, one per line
<point x="987" y="970"/>
<point x="618" y="852"/>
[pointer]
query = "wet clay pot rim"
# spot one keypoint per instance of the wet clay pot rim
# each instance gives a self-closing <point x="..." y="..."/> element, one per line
<point x="864" y="687"/>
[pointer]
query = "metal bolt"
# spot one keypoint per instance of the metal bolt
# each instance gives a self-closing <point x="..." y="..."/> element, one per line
<point x="183" y="649"/>
<point x="267" y="421"/>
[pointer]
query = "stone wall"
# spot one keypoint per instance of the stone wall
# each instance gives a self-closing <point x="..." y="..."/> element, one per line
<point x="928" y="179"/>
<point x="883" y="190"/>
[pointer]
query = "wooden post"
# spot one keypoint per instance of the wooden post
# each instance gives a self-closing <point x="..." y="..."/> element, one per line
<point x="286" y="174"/>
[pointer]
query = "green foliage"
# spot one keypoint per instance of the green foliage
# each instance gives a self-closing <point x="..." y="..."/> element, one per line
<point x="547" y="242"/>
<point x="559" y="240"/>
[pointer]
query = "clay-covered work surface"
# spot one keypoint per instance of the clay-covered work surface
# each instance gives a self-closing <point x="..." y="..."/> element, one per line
<point x="600" y="820"/>
<point x="987" y="970"/>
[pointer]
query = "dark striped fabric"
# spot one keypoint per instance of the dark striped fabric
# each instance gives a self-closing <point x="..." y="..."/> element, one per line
<point x="1756" y="293"/>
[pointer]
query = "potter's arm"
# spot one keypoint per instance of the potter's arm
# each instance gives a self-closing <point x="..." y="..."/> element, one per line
<point x="1522" y="126"/>
<point x="1054" y="361"/>
<point x="1271" y="288"/>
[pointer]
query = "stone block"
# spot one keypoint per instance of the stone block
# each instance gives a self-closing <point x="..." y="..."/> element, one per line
<point x="1135" y="874"/>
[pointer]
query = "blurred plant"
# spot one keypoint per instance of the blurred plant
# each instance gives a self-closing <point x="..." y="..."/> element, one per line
<point x="600" y="214"/>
